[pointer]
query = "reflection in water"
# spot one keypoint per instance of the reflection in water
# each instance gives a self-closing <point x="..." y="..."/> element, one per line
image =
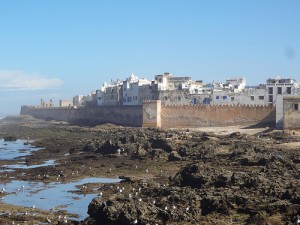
<point x="55" y="196"/>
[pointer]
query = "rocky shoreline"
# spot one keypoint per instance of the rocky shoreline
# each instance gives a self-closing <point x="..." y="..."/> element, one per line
<point x="169" y="176"/>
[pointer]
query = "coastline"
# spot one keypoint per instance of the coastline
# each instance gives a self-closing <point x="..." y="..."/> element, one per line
<point x="218" y="174"/>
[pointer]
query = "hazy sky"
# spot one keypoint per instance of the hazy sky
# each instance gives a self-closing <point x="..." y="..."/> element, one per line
<point x="60" y="48"/>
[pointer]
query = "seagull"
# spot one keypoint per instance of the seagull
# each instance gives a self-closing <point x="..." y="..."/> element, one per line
<point x="48" y="220"/>
<point x="135" y="221"/>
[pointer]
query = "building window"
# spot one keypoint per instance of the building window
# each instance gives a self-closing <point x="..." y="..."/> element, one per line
<point x="296" y="106"/>
<point x="224" y="97"/>
<point x="261" y="97"/>
<point x="232" y="98"/>
<point x="217" y="97"/>
<point x="270" y="90"/>
<point x="252" y="98"/>
<point x="179" y="98"/>
<point x="270" y="98"/>
<point x="279" y="90"/>
<point x="166" y="98"/>
<point x="289" y="90"/>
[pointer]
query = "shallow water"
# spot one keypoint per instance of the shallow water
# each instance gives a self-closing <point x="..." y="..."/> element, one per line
<point x="13" y="149"/>
<point x="55" y="196"/>
<point x="22" y="165"/>
<point x="47" y="196"/>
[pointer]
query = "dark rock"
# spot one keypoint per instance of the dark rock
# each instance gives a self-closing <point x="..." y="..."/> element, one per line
<point x="161" y="143"/>
<point x="174" y="156"/>
<point x="108" y="148"/>
<point x="200" y="176"/>
<point x="213" y="204"/>
<point x="10" y="138"/>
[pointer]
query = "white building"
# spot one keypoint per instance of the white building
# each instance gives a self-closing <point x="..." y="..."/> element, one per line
<point x="78" y="100"/>
<point x="100" y="95"/>
<point x="110" y="94"/>
<point x="248" y="96"/>
<point x="279" y="86"/>
<point x="235" y="84"/>
<point x="184" y="91"/>
<point x="168" y="82"/>
<point x="136" y="90"/>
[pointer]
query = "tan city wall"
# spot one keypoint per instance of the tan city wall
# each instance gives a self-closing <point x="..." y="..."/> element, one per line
<point x="156" y="115"/>
<point x="201" y="116"/>
<point x="125" y="115"/>
<point x="291" y="118"/>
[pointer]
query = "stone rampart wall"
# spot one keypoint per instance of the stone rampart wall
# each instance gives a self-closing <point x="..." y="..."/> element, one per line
<point x="291" y="118"/>
<point x="120" y="115"/>
<point x="170" y="116"/>
<point x="201" y="116"/>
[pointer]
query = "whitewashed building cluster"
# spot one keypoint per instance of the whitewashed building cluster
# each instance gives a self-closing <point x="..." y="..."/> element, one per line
<point x="173" y="90"/>
<point x="183" y="90"/>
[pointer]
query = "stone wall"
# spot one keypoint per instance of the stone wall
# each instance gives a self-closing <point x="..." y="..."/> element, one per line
<point x="291" y="112"/>
<point x="153" y="114"/>
<point x="201" y="116"/>
<point x="120" y="115"/>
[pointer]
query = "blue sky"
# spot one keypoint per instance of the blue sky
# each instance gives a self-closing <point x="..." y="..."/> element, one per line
<point x="60" y="48"/>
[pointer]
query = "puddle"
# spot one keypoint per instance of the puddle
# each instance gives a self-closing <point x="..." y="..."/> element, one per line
<point x="55" y="196"/>
<point x="13" y="149"/>
<point x="46" y="196"/>
<point x="22" y="165"/>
